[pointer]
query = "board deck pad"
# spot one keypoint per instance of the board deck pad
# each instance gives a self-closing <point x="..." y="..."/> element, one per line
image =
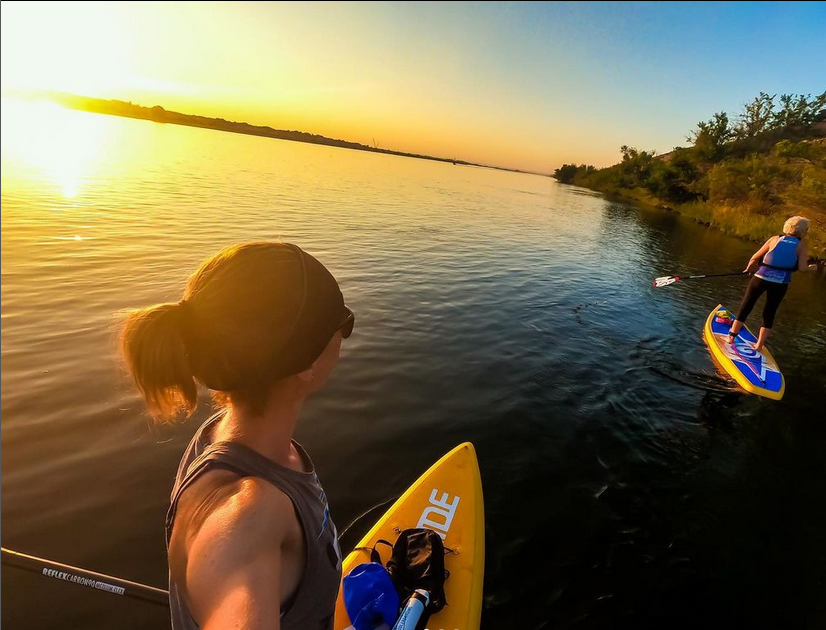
<point x="756" y="372"/>
<point x="447" y="499"/>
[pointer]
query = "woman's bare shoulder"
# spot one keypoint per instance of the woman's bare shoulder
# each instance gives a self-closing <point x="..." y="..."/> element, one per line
<point x="234" y="559"/>
<point x="228" y="503"/>
<point x="222" y="512"/>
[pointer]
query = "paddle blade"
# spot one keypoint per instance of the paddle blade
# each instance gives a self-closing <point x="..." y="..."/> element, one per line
<point x="664" y="281"/>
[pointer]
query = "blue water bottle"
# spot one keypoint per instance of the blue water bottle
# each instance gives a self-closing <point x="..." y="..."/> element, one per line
<point x="413" y="610"/>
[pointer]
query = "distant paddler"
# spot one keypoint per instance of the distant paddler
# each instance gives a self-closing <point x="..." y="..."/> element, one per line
<point x="772" y="266"/>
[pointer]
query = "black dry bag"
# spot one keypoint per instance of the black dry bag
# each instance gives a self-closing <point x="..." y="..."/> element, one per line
<point x="418" y="562"/>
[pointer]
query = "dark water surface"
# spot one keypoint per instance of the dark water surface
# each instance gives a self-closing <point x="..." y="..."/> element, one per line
<point x="626" y="483"/>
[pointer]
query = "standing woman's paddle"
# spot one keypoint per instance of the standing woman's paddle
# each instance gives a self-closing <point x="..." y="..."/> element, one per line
<point x="664" y="281"/>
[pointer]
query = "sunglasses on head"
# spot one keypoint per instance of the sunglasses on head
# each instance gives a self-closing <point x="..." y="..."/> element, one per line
<point x="346" y="327"/>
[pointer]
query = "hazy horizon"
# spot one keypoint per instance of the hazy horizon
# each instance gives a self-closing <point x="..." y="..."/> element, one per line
<point x="518" y="85"/>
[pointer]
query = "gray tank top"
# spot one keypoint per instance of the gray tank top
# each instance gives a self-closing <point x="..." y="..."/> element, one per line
<point x="313" y="604"/>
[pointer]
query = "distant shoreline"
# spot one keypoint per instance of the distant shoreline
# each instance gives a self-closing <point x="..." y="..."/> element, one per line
<point x="160" y="115"/>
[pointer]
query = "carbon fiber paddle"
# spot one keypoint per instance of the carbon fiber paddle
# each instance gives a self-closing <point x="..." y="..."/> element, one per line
<point x="82" y="577"/>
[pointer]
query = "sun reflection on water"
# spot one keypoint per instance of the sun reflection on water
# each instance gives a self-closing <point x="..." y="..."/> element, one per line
<point x="43" y="143"/>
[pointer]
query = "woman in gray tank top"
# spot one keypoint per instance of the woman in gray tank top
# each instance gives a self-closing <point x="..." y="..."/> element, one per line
<point x="249" y="536"/>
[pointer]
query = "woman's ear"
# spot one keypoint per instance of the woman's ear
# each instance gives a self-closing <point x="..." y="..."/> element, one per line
<point x="307" y="376"/>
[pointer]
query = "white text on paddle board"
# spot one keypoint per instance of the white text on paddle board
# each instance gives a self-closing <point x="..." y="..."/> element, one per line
<point x="745" y="352"/>
<point x="439" y="514"/>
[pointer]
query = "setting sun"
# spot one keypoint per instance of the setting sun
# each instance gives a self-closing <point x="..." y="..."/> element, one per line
<point x="59" y="146"/>
<point x="517" y="85"/>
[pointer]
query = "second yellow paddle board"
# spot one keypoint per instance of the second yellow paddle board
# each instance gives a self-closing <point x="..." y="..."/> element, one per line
<point x="755" y="371"/>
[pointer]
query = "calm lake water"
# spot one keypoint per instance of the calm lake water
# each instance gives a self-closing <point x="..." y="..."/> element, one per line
<point x="626" y="483"/>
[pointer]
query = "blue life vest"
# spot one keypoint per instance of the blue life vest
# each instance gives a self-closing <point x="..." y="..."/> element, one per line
<point x="779" y="263"/>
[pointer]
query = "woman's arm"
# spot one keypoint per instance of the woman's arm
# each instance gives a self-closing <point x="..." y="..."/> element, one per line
<point x="803" y="258"/>
<point x="754" y="261"/>
<point x="234" y="568"/>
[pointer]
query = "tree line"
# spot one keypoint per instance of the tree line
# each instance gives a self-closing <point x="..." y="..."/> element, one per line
<point x="763" y="122"/>
<point x="767" y="159"/>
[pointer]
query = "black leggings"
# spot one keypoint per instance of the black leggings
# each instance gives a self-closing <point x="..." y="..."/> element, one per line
<point x="774" y="294"/>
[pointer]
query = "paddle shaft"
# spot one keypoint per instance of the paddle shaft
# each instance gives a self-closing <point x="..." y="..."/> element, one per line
<point x="82" y="577"/>
<point x="664" y="281"/>
<point x="711" y="275"/>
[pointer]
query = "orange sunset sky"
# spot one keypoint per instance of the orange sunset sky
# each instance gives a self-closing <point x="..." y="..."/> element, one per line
<point x="524" y="85"/>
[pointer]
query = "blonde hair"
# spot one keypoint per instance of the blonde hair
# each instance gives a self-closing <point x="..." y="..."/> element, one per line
<point x="796" y="226"/>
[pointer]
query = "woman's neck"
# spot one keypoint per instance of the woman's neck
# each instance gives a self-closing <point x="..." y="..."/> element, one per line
<point x="270" y="433"/>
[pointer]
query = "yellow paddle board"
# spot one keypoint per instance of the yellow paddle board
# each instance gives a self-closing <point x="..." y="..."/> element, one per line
<point x="756" y="372"/>
<point x="448" y="500"/>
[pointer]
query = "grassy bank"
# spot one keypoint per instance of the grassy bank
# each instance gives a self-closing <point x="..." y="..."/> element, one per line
<point x="752" y="197"/>
<point x="745" y="179"/>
